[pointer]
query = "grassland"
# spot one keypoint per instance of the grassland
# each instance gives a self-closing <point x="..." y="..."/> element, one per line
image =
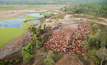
<point x="34" y="7"/>
<point x="7" y="34"/>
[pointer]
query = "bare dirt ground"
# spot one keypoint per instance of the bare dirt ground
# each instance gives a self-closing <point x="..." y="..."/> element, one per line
<point x="67" y="28"/>
<point x="67" y="60"/>
<point x="66" y="20"/>
<point x="21" y="10"/>
<point x="16" y="13"/>
<point x="92" y="20"/>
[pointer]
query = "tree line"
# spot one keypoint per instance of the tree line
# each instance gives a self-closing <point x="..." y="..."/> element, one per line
<point x="96" y="9"/>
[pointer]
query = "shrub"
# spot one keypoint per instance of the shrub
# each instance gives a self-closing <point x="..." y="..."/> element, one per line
<point x="6" y="60"/>
<point x="17" y="60"/>
<point x="38" y="43"/>
<point x="11" y="61"/>
<point x="26" y="58"/>
<point x="48" y="61"/>
<point x="32" y="56"/>
<point x="1" y="63"/>
<point x="45" y="16"/>
<point x="43" y="48"/>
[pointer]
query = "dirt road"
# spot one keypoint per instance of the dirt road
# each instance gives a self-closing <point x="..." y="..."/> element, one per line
<point x="92" y="20"/>
<point x="67" y="59"/>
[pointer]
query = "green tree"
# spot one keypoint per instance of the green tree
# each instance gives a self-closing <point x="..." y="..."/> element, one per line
<point x="44" y="26"/>
<point x="17" y="60"/>
<point x="6" y="60"/>
<point x="56" y="20"/>
<point x="1" y="63"/>
<point x="102" y="54"/>
<point x="61" y="9"/>
<point x="91" y="56"/>
<point x="38" y="43"/>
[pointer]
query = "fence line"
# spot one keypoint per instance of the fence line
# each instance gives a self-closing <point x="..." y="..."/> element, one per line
<point x="78" y="59"/>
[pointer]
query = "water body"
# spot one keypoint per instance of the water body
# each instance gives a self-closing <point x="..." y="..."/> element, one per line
<point x="34" y="22"/>
<point x="12" y="23"/>
<point x="35" y="15"/>
<point x="56" y="10"/>
<point x="48" y="12"/>
<point x="55" y="13"/>
<point x="38" y="25"/>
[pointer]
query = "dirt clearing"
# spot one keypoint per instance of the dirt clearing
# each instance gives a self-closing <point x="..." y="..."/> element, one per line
<point x="67" y="60"/>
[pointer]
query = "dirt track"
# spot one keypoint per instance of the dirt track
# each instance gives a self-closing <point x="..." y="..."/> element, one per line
<point x="93" y="21"/>
<point x="67" y="60"/>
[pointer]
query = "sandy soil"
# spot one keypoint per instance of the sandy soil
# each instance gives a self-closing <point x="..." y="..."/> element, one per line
<point x="67" y="28"/>
<point x="16" y="13"/>
<point x="20" y="10"/>
<point x="92" y="20"/>
<point x="67" y="60"/>
<point x="66" y="20"/>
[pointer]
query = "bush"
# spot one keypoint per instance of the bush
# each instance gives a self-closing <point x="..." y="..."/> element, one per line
<point x="43" y="48"/>
<point x="45" y="16"/>
<point x="48" y="61"/>
<point x="17" y="60"/>
<point x="6" y="60"/>
<point x="11" y="61"/>
<point x="38" y="43"/>
<point x="32" y="56"/>
<point x="26" y="58"/>
<point x="1" y="63"/>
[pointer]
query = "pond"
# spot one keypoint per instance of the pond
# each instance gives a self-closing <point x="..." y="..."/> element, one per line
<point x="35" y="15"/>
<point x="48" y="12"/>
<point x="55" y="13"/>
<point x="34" y="22"/>
<point x="56" y="10"/>
<point x="38" y="25"/>
<point x="12" y="23"/>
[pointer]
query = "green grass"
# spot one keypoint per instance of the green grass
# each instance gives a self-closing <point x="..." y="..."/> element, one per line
<point x="46" y="14"/>
<point x="8" y="33"/>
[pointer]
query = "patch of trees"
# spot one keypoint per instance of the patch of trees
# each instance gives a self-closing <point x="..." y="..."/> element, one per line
<point x="30" y="3"/>
<point x="96" y="9"/>
<point x="91" y="8"/>
<point x="97" y="47"/>
<point x="36" y="41"/>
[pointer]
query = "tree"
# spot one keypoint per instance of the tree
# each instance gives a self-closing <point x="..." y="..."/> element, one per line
<point x="38" y="43"/>
<point x="49" y="19"/>
<point x="48" y="61"/>
<point x="41" y="20"/>
<point x="26" y="58"/>
<point x="56" y="20"/>
<point x="102" y="54"/>
<point x="1" y="63"/>
<point x="44" y="26"/>
<point x="61" y="9"/>
<point x="32" y="29"/>
<point x="91" y="56"/>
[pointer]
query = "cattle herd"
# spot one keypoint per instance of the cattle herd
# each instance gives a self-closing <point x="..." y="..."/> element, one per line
<point x="66" y="42"/>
